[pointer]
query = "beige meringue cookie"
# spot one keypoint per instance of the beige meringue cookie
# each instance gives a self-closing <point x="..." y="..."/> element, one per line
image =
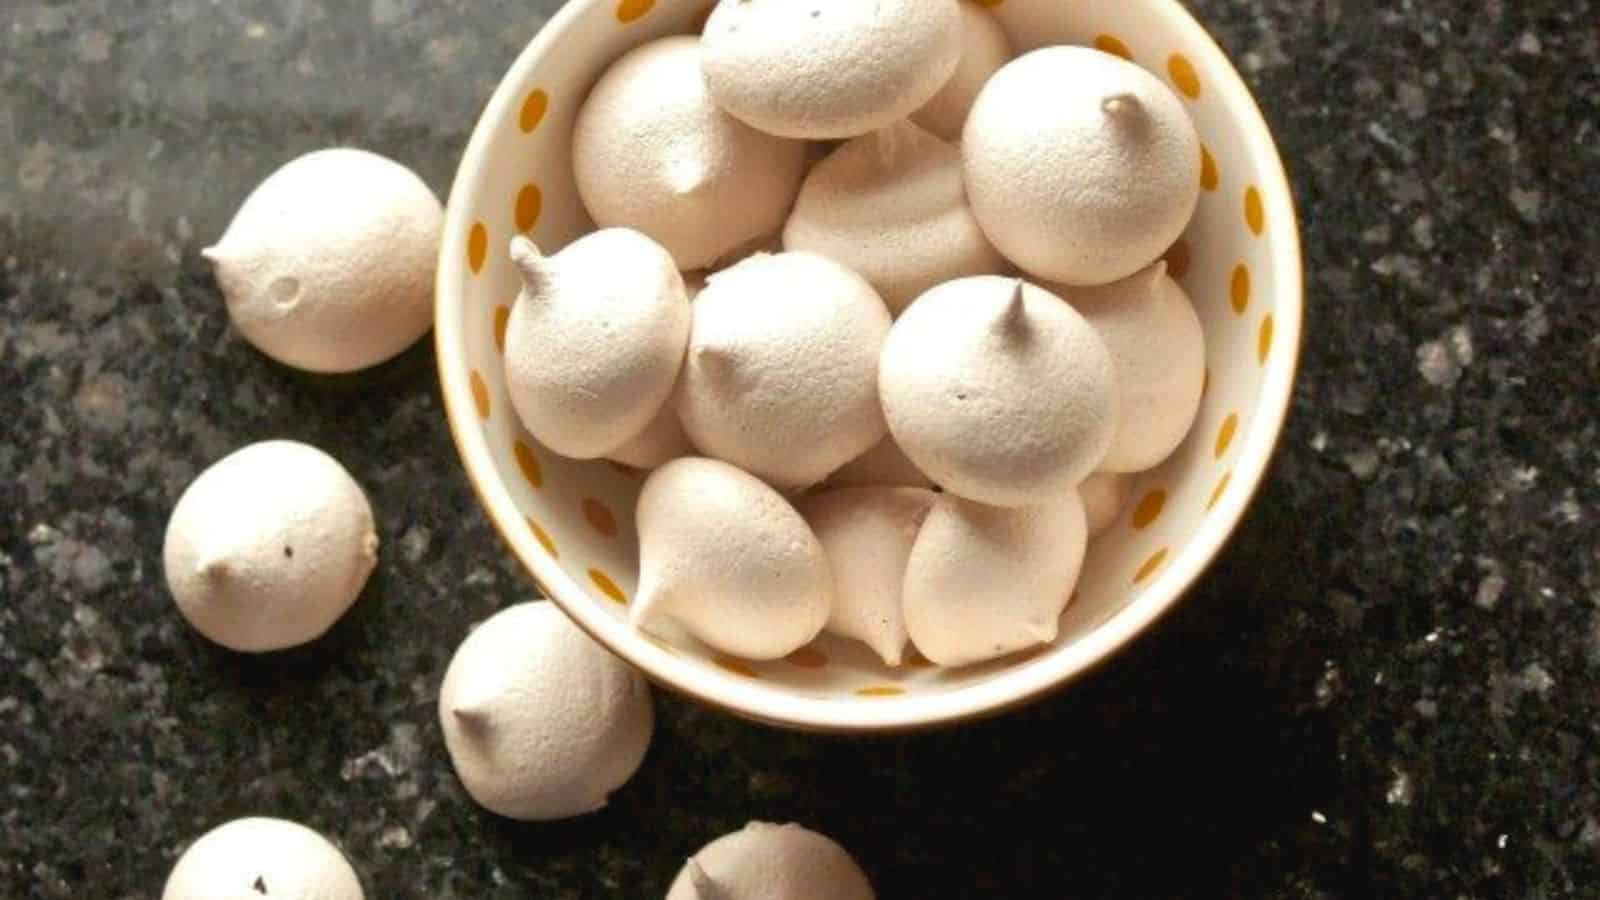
<point x="890" y="206"/>
<point x="763" y="861"/>
<point x="885" y="465"/>
<point x="1104" y="494"/>
<point x="867" y="533"/>
<point x="257" y="857"/>
<point x="780" y="378"/>
<point x="1091" y="186"/>
<point x="268" y="547"/>
<point x="983" y="581"/>
<point x="730" y="560"/>
<point x="595" y="341"/>
<point x="329" y="264"/>
<point x="540" y="721"/>
<point x="829" y="68"/>
<point x="984" y="49"/>
<point x="651" y="151"/>
<point x="998" y="390"/>
<point x="1159" y="351"/>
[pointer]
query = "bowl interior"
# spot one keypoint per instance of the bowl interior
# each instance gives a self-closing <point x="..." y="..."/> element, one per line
<point x="571" y="523"/>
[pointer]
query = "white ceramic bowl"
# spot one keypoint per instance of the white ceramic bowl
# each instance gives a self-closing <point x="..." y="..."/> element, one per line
<point x="571" y="523"/>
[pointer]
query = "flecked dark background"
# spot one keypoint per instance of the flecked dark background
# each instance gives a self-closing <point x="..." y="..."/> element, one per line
<point x="1388" y="686"/>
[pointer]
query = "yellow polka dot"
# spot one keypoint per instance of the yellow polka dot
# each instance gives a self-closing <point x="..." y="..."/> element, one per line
<point x="544" y="539"/>
<point x="1183" y="75"/>
<point x="1225" y="433"/>
<point x="1239" y="290"/>
<point x="530" y="202"/>
<point x="533" y="110"/>
<point x="1178" y="258"/>
<point x="599" y="517"/>
<point x="529" y="464"/>
<point x="480" y="395"/>
<point x="477" y="247"/>
<point x="1149" y="509"/>
<point x="880" y="690"/>
<point x="808" y="658"/>
<point x="1150" y="565"/>
<point x="1209" y="177"/>
<point x="502" y="318"/>
<point x="1264" y="340"/>
<point x="737" y="667"/>
<point x="633" y="10"/>
<point x="1216" y="492"/>
<point x="1254" y="215"/>
<point x="607" y="586"/>
<point x="1106" y="43"/>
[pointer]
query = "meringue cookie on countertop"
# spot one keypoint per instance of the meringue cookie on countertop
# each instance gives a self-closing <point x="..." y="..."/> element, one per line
<point x="329" y="264"/>
<point x="1104" y="494"/>
<point x="982" y="581"/>
<point x="1159" y="351"/>
<point x="781" y="375"/>
<point x="998" y="390"/>
<point x="540" y="721"/>
<point x="891" y="207"/>
<point x="258" y="857"/>
<point x="268" y="547"/>
<point x="729" y="559"/>
<point x="595" y="340"/>
<point x="829" y="68"/>
<point x="867" y="533"/>
<point x="763" y="861"/>
<point x="1093" y="185"/>
<point x="984" y="49"/>
<point x="651" y="151"/>
<point x="885" y="465"/>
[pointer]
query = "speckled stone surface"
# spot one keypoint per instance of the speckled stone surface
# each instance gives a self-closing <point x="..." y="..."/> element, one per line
<point x="1387" y="688"/>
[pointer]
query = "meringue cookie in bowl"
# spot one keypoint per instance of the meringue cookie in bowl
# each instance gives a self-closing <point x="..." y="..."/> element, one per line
<point x="891" y="207"/>
<point x="261" y="857"/>
<point x="1090" y="187"/>
<point x="729" y="559"/>
<point x="540" y="721"/>
<point x="268" y="547"/>
<point x="763" y="861"/>
<point x="329" y="264"/>
<point x="651" y="151"/>
<point x="829" y="68"/>
<point x="1104" y="494"/>
<point x="984" y="49"/>
<point x="595" y="340"/>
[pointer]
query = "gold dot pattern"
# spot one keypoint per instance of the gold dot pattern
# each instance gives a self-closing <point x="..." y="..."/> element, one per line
<point x="477" y="247"/>
<point x="607" y="586"/>
<point x="880" y="690"/>
<point x="1183" y="75"/>
<point x="633" y="10"/>
<point x="1264" y="340"/>
<point x="599" y="517"/>
<point x="533" y="110"/>
<point x="480" y="395"/>
<point x="544" y="539"/>
<point x="529" y="464"/>
<point x="1210" y="178"/>
<point x="1113" y="45"/>
<point x="1226" y="432"/>
<point x="737" y="667"/>
<point x="1216" y="492"/>
<point x="1178" y="259"/>
<point x="1150" y="565"/>
<point x="1255" y="215"/>
<point x="530" y="202"/>
<point x="808" y="658"/>
<point x="1239" y="288"/>
<point x="1149" y="508"/>
<point x="502" y="318"/>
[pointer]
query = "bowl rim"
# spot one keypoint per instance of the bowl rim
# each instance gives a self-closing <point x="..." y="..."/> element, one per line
<point x="991" y="697"/>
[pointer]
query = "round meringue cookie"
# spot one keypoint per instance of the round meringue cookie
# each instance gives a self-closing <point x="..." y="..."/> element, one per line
<point x="651" y="151"/>
<point x="984" y="49"/>
<point x="890" y="206"/>
<point x="763" y="861"/>
<point x="998" y="390"/>
<point x="595" y="340"/>
<point x="1093" y="185"/>
<point x="829" y="68"/>
<point x="1158" y="348"/>
<point x="730" y="560"/>
<point x="983" y="581"/>
<point x="268" y="547"/>
<point x="329" y="264"/>
<point x="781" y="374"/>
<point x="1104" y="494"/>
<point x="262" y="857"/>
<point x="885" y="465"/>
<point x="867" y="533"/>
<point x="540" y="721"/>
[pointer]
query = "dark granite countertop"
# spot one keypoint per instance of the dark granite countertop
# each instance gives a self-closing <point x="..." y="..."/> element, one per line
<point x="1388" y="687"/>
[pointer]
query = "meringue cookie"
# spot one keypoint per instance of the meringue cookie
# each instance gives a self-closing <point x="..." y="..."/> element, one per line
<point x="984" y="49"/>
<point x="329" y="264"/>
<point x="1104" y="494"/>
<point x="763" y="861"/>
<point x="730" y="560"/>
<point x="595" y="341"/>
<point x="540" y="721"/>
<point x="829" y="68"/>
<point x="867" y="533"/>
<point x="998" y="390"/>
<point x="982" y="582"/>
<point x="1093" y="185"/>
<point x="1159" y="351"/>
<point x="269" y="547"/>
<point x="884" y="465"/>
<point x="661" y="441"/>
<point x="890" y="206"/>
<point x="260" y="857"/>
<point x="780" y="378"/>
<point x="651" y="151"/>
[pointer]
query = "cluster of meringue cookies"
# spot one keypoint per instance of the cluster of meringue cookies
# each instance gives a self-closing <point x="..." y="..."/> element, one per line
<point x="890" y="393"/>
